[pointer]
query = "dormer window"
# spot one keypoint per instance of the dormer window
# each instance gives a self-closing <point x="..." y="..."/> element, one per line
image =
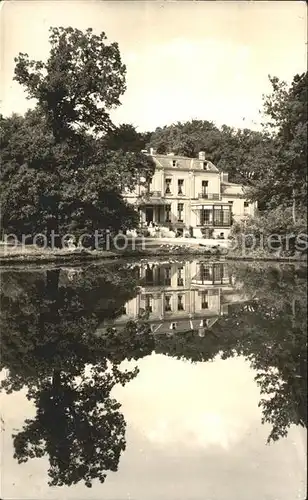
<point x="173" y="326"/>
<point x="174" y="163"/>
<point x="205" y="165"/>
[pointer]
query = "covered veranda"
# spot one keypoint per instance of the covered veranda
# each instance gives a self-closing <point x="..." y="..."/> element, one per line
<point x="219" y="215"/>
<point x="153" y="211"/>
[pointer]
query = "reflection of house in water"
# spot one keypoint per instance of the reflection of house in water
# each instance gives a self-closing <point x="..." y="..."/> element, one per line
<point x="182" y="296"/>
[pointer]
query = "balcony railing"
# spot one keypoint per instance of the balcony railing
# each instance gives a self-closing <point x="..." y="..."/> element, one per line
<point x="215" y="223"/>
<point x="205" y="223"/>
<point x="209" y="196"/>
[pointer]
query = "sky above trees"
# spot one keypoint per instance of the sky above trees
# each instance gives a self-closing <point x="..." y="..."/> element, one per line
<point x="186" y="60"/>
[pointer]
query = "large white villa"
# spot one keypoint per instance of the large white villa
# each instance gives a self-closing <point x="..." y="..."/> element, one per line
<point x="191" y="197"/>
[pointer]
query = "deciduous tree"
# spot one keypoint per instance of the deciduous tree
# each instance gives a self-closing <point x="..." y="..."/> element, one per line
<point x="81" y="81"/>
<point x="58" y="173"/>
<point x="284" y="182"/>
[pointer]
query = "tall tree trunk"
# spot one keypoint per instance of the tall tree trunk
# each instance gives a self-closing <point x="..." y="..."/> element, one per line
<point x="293" y="312"/>
<point x="293" y="207"/>
<point x="293" y="307"/>
<point x="56" y="380"/>
<point x="53" y="229"/>
<point x="52" y="284"/>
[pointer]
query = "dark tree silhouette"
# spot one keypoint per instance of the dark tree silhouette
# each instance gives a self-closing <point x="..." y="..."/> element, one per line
<point x="77" y="424"/>
<point x="270" y="331"/>
<point x="69" y="371"/>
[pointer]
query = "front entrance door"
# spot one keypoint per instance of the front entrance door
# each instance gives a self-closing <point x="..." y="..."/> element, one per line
<point x="149" y="212"/>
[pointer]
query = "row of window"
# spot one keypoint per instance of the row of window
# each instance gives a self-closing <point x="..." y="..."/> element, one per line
<point x="167" y="305"/>
<point x="181" y="192"/>
<point x="180" y="189"/>
<point x="180" y="186"/>
<point x="204" y="191"/>
<point x="205" y="165"/>
<point x="180" y="302"/>
<point x="213" y="273"/>
<point x="217" y="216"/>
<point x="180" y="212"/>
<point x="163" y="276"/>
<point x="206" y="273"/>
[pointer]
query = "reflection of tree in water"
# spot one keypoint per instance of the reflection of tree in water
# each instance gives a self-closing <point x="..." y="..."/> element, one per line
<point x="77" y="424"/>
<point x="271" y="332"/>
<point x="49" y="346"/>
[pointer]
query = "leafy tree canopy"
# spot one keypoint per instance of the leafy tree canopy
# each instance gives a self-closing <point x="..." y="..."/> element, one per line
<point x="81" y="81"/>
<point x="57" y="171"/>
<point x="284" y="181"/>
<point x="126" y="138"/>
<point x="234" y="151"/>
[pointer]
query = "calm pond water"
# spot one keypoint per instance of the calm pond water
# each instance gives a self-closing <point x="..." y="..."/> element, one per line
<point x="154" y="380"/>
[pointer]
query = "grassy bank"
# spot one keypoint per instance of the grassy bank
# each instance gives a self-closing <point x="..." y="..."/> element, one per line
<point x="265" y="255"/>
<point x="34" y="255"/>
<point x="24" y="255"/>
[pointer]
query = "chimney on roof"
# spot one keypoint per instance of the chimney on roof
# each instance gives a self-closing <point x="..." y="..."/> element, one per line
<point x="224" y="177"/>
<point x="170" y="154"/>
<point x="202" y="155"/>
<point x="152" y="151"/>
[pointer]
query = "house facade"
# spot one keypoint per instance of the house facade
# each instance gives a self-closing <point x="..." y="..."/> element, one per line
<point x="191" y="197"/>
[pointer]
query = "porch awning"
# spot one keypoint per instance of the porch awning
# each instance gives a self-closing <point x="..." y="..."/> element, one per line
<point x="155" y="201"/>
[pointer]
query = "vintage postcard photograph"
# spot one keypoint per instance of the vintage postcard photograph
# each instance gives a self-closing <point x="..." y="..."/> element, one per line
<point x="153" y="250"/>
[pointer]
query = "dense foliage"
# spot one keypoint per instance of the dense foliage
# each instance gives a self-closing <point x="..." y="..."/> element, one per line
<point x="280" y="181"/>
<point x="284" y="182"/>
<point x="232" y="150"/>
<point x="270" y="330"/>
<point x="59" y="171"/>
<point x="272" y="232"/>
<point x="50" y="347"/>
